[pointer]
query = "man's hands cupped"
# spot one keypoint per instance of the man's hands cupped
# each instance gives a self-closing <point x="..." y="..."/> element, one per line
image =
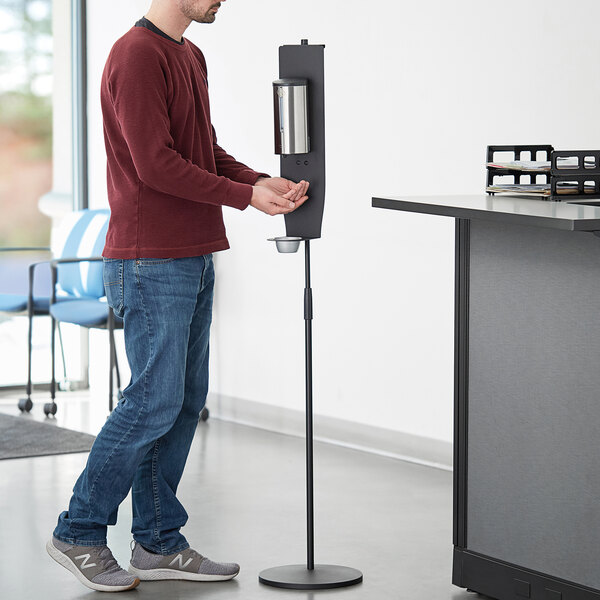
<point x="278" y="196"/>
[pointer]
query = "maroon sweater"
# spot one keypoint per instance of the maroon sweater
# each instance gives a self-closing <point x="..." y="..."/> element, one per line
<point x="167" y="176"/>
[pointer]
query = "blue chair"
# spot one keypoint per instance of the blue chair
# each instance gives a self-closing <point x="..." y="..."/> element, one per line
<point x="79" y="236"/>
<point x="78" y="288"/>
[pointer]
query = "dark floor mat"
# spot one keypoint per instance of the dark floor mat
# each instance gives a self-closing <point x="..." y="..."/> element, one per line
<point x="22" y="436"/>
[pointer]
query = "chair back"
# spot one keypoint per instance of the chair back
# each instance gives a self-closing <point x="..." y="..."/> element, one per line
<point x="81" y="234"/>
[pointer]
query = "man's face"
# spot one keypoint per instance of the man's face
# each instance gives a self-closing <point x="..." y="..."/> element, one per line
<point x="201" y="11"/>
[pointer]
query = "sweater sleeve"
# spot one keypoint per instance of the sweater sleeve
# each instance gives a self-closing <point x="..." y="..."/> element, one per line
<point x="137" y="90"/>
<point x="229" y="167"/>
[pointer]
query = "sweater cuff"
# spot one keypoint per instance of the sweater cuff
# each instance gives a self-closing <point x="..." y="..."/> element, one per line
<point x="239" y="195"/>
<point x="249" y="176"/>
<point x="259" y="175"/>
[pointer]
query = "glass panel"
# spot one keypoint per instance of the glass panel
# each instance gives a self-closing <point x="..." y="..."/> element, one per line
<point x="25" y="119"/>
<point x="26" y="50"/>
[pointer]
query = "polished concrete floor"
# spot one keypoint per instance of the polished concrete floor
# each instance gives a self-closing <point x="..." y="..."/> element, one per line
<point x="244" y="491"/>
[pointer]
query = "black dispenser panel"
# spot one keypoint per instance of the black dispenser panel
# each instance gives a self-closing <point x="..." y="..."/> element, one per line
<point x="307" y="62"/>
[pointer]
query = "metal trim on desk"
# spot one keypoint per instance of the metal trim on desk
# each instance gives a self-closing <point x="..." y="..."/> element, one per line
<point x="461" y="380"/>
<point x="554" y="221"/>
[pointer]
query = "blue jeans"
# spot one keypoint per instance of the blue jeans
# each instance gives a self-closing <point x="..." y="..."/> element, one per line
<point x="166" y="306"/>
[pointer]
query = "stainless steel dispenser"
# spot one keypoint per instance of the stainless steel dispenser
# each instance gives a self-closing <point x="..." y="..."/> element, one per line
<point x="290" y="98"/>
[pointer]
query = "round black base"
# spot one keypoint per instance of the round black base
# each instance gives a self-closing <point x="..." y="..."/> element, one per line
<point x="298" y="577"/>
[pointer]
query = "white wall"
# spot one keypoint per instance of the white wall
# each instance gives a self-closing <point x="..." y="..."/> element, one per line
<point x="414" y="93"/>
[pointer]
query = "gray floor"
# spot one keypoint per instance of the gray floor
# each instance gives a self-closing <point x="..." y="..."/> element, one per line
<point x="244" y="492"/>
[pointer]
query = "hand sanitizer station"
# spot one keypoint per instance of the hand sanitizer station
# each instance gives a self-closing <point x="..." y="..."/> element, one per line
<point x="299" y="108"/>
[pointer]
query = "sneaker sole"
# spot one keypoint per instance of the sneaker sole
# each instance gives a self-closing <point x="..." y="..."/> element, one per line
<point x="164" y="574"/>
<point x="67" y="563"/>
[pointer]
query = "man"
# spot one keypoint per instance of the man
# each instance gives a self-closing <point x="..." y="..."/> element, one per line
<point x="167" y="182"/>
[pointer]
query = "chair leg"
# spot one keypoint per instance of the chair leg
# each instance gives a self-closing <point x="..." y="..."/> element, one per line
<point x="50" y="407"/>
<point x="29" y="352"/>
<point x="62" y="353"/>
<point x="25" y="404"/>
<point x="53" y="348"/>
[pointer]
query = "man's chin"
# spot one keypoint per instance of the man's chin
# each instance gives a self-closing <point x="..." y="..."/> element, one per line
<point x="206" y="19"/>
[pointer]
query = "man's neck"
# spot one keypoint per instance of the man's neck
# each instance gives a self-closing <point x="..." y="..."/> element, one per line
<point x="172" y="23"/>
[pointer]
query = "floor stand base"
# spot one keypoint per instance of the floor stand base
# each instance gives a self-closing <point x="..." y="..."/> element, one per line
<point x="298" y="577"/>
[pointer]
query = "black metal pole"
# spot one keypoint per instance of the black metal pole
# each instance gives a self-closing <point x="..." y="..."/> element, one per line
<point x="308" y="315"/>
<point x="311" y="576"/>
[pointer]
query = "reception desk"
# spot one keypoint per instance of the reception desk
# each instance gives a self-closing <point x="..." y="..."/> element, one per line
<point x="526" y="394"/>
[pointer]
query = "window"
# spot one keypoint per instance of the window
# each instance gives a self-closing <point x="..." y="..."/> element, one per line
<point x="26" y="50"/>
<point x="35" y="166"/>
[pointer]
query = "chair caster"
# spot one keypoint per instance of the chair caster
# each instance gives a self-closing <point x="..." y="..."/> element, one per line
<point x="50" y="408"/>
<point x="204" y="414"/>
<point x="25" y="404"/>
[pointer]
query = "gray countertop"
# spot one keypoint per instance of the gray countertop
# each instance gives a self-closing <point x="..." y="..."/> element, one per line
<point x="571" y="215"/>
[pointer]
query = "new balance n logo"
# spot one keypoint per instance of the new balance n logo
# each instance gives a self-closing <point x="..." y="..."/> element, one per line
<point x="84" y="562"/>
<point x="179" y="559"/>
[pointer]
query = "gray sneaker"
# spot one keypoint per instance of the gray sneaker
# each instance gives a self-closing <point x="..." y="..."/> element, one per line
<point x="187" y="564"/>
<point x="94" y="566"/>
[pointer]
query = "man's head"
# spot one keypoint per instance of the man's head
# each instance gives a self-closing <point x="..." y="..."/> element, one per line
<point x="201" y="11"/>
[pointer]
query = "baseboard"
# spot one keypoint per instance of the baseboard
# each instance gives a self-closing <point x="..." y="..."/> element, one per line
<point x="496" y="579"/>
<point x="12" y="390"/>
<point x="349" y="434"/>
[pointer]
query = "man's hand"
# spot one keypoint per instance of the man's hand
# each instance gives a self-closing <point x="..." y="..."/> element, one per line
<point x="278" y="196"/>
<point x="284" y="187"/>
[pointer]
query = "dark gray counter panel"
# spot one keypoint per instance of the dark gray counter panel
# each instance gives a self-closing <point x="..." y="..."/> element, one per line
<point x="527" y="394"/>
<point x="533" y="467"/>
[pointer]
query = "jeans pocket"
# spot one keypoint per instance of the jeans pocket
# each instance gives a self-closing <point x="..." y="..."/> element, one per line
<point x="113" y="285"/>
<point x="153" y="261"/>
